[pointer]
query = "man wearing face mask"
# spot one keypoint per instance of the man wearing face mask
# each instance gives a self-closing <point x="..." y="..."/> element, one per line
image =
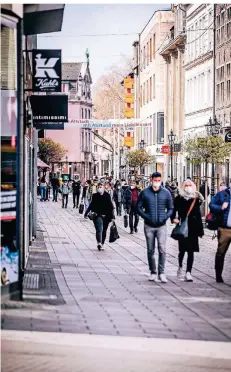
<point x="131" y="195"/>
<point x="118" y="198"/>
<point x="220" y="205"/>
<point x="155" y="206"/>
<point x="101" y="205"/>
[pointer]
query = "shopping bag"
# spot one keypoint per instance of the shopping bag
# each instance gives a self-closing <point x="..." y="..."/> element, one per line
<point x="180" y="231"/>
<point x="125" y="220"/>
<point x="81" y="208"/>
<point x="114" y="235"/>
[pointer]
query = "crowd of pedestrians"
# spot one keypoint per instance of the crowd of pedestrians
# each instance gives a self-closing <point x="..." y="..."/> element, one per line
<point x="183" y="205"/>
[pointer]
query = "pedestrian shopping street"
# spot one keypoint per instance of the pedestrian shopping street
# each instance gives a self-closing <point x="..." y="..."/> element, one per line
<point x="70" y="286"/>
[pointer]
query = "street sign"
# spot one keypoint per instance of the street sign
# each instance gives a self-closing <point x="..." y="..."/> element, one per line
<point x="128" y="141"/>
<point x="165" y="149"/>
<point x="228" y="136"/>
<point x="177" y="147"/>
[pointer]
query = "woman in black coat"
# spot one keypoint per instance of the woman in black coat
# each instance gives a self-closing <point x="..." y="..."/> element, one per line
<point x="190" y="245"/>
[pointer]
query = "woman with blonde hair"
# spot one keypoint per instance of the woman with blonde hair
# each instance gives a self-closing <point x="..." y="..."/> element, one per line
<point x="188" y="198"/>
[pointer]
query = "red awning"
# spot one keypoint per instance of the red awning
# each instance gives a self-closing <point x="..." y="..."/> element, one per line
<point x="41" y="164"/>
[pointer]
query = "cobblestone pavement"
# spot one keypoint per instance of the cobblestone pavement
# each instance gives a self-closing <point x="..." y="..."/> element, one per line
<point x="108" y="292"/>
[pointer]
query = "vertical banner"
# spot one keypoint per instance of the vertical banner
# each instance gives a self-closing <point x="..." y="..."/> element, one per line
<point x="9" y="246"/>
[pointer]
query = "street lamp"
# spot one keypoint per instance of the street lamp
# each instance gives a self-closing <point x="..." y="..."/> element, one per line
<point x="171" y="141"/>
<point x="213" y="129"/>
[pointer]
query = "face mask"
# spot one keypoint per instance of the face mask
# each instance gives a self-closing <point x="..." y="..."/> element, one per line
<point x="222" y="188"/>
<point x="156" y="184"/>
<point x="188" y="189"/>
<point x="132" y="187"/>
<point x="119" y="187"/>
<point x="100" y="191"/>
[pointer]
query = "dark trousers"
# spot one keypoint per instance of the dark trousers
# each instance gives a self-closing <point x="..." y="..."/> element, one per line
<point x="65" y="198"/>
<point x="119" y="209"/>
<point x="133" y="215"/>
<point x="101" y="226"/>
<point x="76" y="199"/>
<point x="190" y="260"/>
<point x="224" y="240"/>
<point x="55" y="193"/>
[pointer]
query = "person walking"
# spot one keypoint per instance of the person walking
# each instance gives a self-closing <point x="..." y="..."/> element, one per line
<point x="155" y="206"/>
<point x="65" y="189"/>
<point x="102" y="207"/>
<point x="43" y="188"/>
<point x="55" y="187"/>
<point x="87" y="194"/>
<point x="118" y="198"/>
<point x="76" y="191"/>
<point x="220" y="206"/>
<point x="187" y="201"/>
<point x="131" y="195"/>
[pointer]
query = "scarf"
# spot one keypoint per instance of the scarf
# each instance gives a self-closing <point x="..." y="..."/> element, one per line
<point x="187" y="195"/>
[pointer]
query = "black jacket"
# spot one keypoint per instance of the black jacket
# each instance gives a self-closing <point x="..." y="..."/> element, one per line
<point x="195" y="225"/>
<point x="115" y="195"/>
<point x="55" y="182"/>
<point x="101" y="205"/>
<point x="76" y="187"/>
<point x="155" y="207"/>
<point x="127" y="201"/>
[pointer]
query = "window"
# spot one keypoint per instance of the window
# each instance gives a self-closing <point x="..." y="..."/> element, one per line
<point x="222" y="18"/>
<point x="95" y="148"/>
<point x="150" y="88"/>
<point x="148" y="56"/>
<point x="154" y="86"/>
<point x="218" y="94"/>
<point x="160" y="127"/>
<point x="147" y="89"/>
<point x="229" y="13"/>
<point x="141" y="96"/>
<point x="222" y="34"/>
<point x="89" y="114"/>
<point x="154" y="129"/>
<point x="154" y="46"/>
<point x="218" y="21"/>
<point x="85" y="113"/>
<point x="141" y="60"/>
<point x="82" y="113"/>
<point x="89" y="140"/>
<point x="144" y="94"/>
<point x="228" y="68"/>
<point x="229" y="29"/>
<point x="228" y="91"/>
<point x="144" y="57"/>
<point x="222" y="92"/>
<point x="150" y="49"/>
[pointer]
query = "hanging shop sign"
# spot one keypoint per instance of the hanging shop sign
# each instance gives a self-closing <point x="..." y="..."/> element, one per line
<point x="128" y="112"/>
<point x="129" y="98"/>
<point x="128" y="141"/>
<point x="165" y="149"/>
<point x="128" y="83"/>
<point x="177" y="147"/>
<point x="49" y="112"/>
<point x="47" y="70"/>
<point x="228" y="136"/>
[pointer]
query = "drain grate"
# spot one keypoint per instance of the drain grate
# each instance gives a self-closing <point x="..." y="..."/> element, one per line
<point x="31" y="281"/>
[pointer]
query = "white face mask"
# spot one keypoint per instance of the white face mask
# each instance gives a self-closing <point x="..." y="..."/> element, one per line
<point x="132" y="187"/>
<point x="188" y="189"/>
<point x="222" y="188"/>
<point x="156" y="184"/>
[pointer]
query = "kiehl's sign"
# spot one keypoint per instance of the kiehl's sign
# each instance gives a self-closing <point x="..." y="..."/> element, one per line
<point x="49" y="112"/>
<point x="47" y="70"/>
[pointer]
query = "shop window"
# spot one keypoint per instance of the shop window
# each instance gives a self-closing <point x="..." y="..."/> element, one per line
<point x="160" y="127"/>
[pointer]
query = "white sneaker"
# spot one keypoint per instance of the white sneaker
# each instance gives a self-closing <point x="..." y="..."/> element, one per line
<point x="163" y="278"/>
<point x="152" y="277"/>
<point x="188" y="277"/>
<point x="102" y="247"/>
<point x="179" y="272"/>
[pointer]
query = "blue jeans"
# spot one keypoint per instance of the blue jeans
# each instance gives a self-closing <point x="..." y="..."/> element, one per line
<point x="43" y="190"/>
<point x="55" y="193"/>
<point x="151" y="233"/>
<point x="101" y="226"/>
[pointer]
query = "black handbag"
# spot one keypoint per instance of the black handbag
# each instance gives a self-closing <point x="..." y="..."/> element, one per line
<point x="81" y="208"/>
<point x="92" y="215"/>
<point x="114" y="235"/>
<point x="125" y="221"/>
<point x="180" y="231"/>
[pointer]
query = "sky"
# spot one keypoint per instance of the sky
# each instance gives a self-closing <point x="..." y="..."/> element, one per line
<point x="88" y="19"/>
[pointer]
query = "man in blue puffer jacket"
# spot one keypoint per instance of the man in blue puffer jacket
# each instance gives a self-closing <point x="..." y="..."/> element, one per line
<point x="155" y="206"/>
<point x="220" y="205"/>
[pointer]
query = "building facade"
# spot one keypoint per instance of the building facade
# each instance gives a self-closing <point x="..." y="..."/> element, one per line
<point x="173" y="55"/>
<point x="149" y="85"/>
<point x="76" y="83"/>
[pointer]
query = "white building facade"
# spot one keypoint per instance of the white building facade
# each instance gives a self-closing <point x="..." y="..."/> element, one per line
<point x="198" y="67"/>
<point x="149" y="86"/>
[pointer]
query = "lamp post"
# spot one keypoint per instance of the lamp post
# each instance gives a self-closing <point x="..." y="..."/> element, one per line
<point x="213" y="129"/>
<point x="171" y="141"/>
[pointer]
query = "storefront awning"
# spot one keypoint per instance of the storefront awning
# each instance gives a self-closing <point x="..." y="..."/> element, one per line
<point x="42" y="18"/>
<point x="41" y="164"/>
